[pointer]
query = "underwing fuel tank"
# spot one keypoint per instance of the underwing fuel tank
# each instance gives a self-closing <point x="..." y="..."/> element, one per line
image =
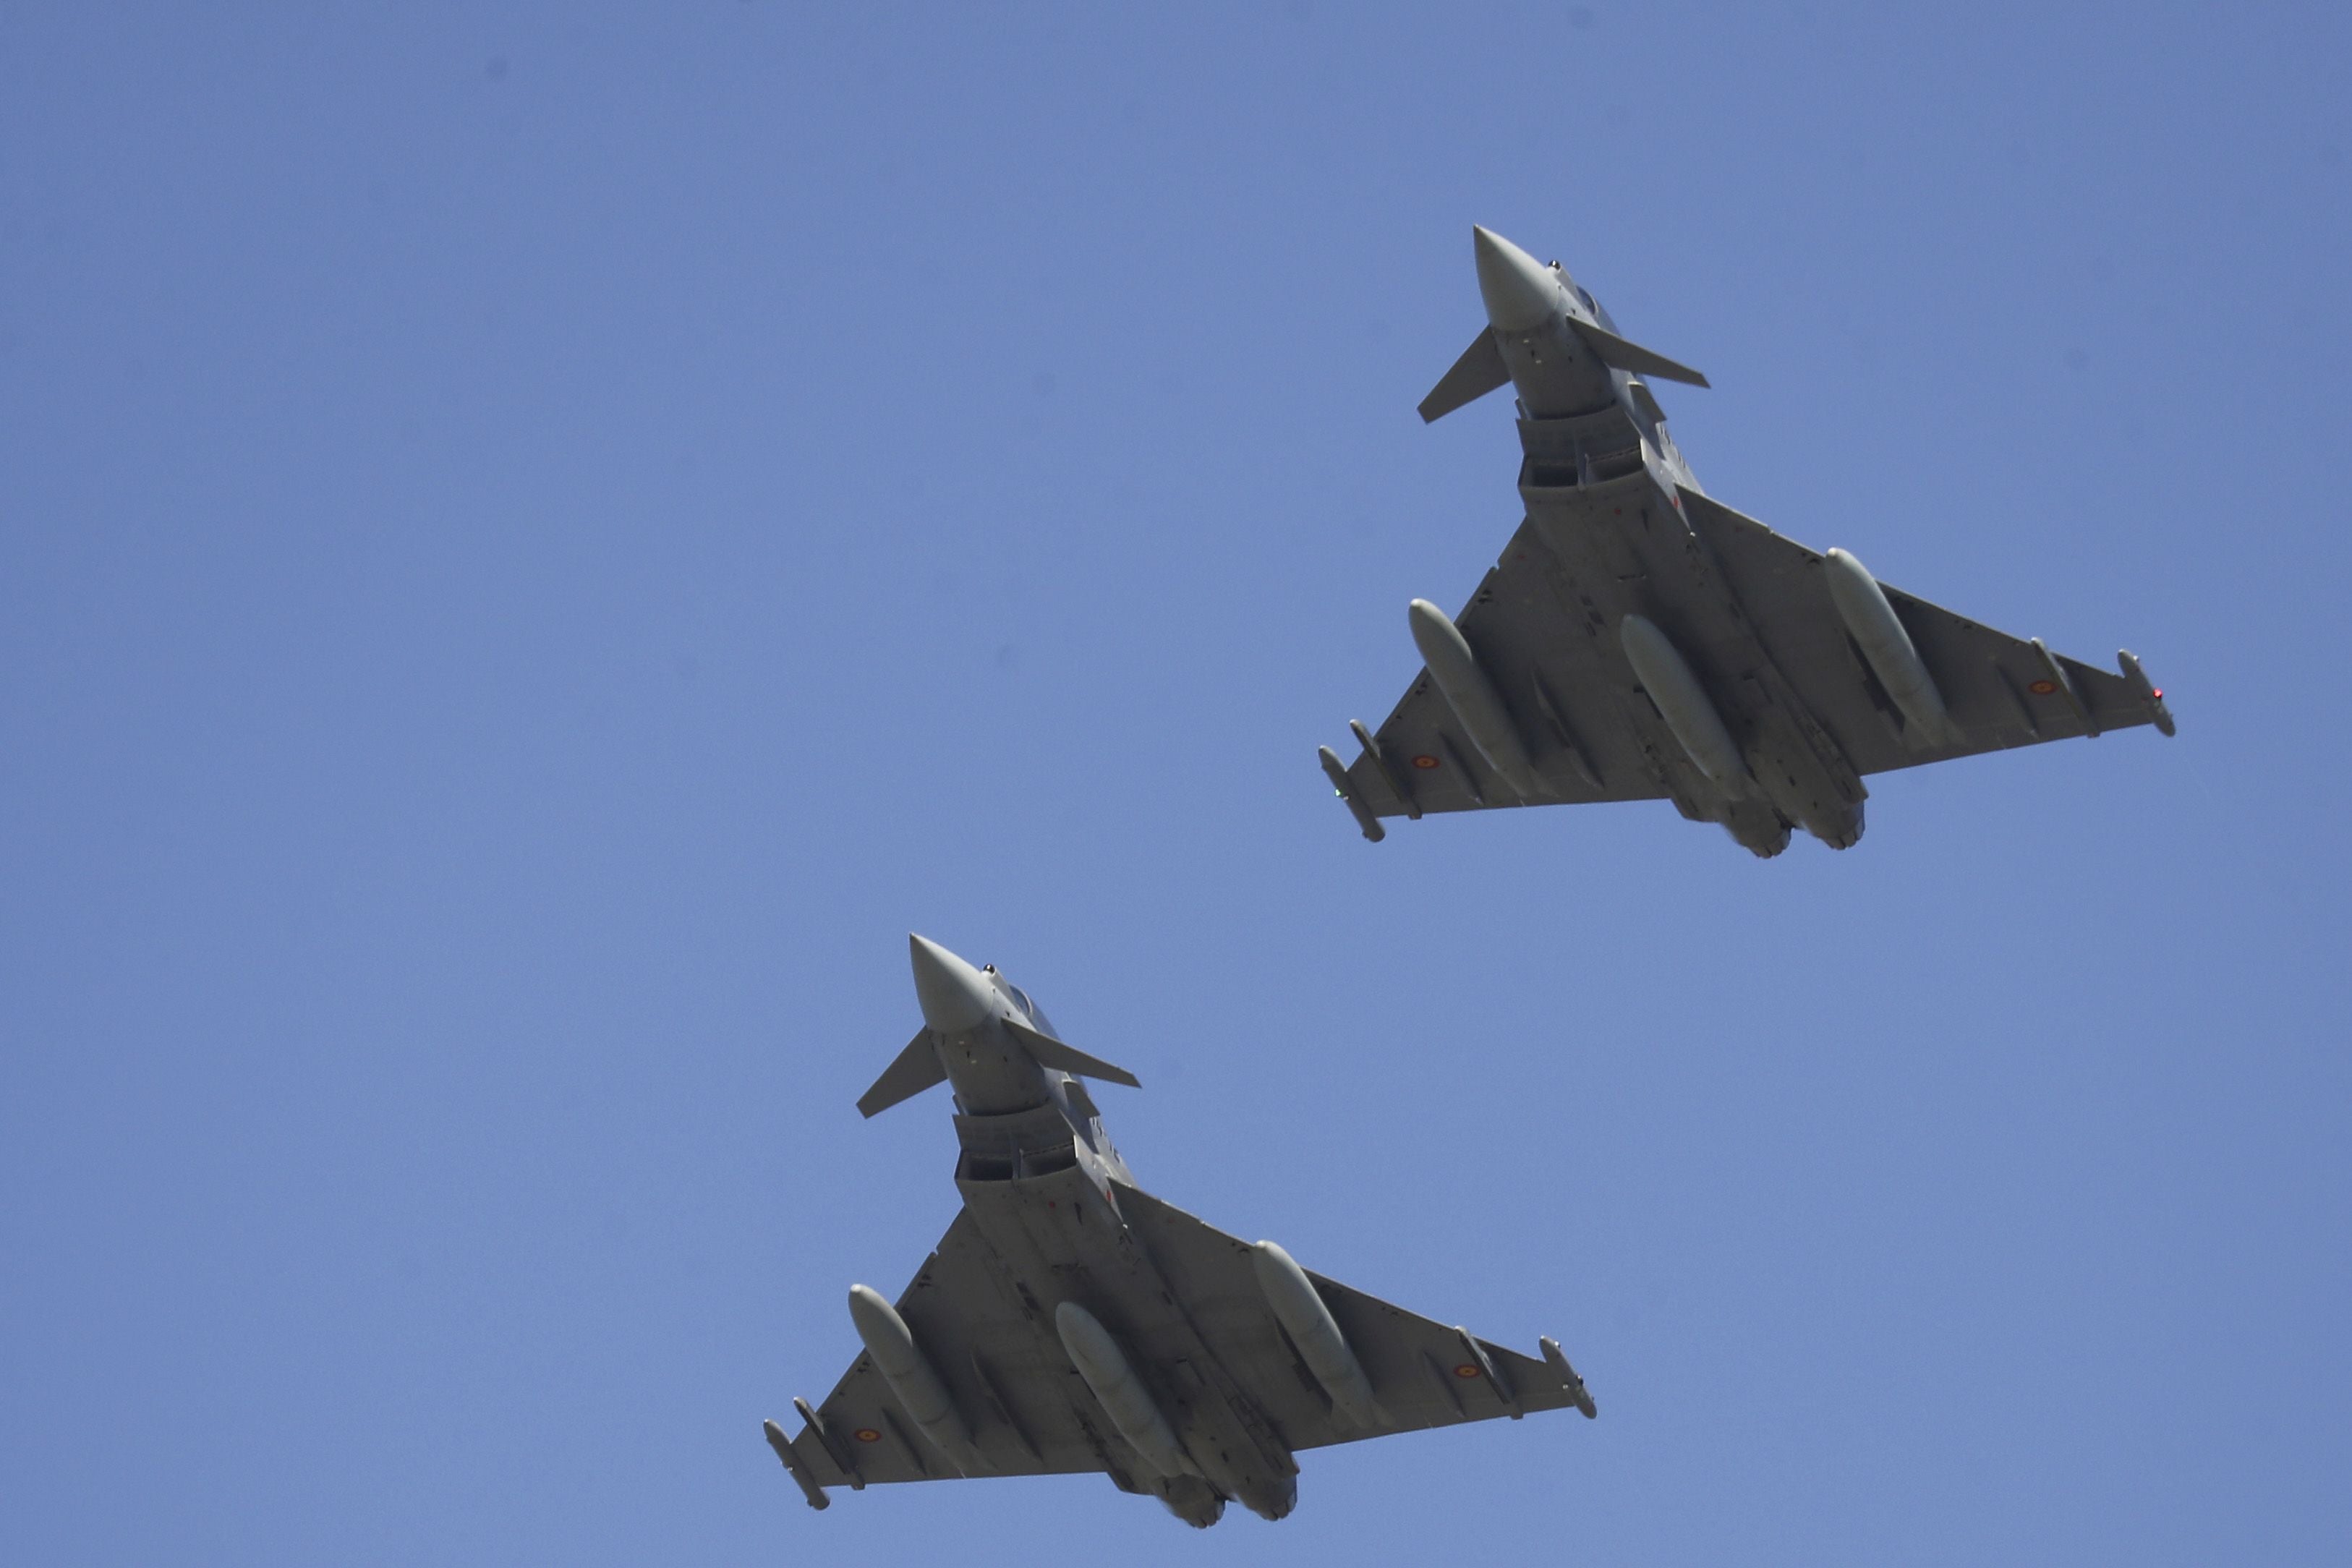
<point x="1471" y="695"/>
<point x="911" y="1376"/>
<point x="1301" y="1311"/>
<point x="1121" y="1394"/>
<point x="1684" y="703"/>
<point x="1862" y="606"/>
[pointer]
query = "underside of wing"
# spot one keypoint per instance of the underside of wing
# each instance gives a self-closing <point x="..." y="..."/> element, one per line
<point x="1997" y="690"/>
<point x="1556" y="693"/>
<point x="1007" y="1379"/>
<point x="1422" y="1372"/>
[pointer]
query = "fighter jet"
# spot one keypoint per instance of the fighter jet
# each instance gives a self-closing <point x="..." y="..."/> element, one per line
<point x="1639" y="638"/>
<point x="1069" y="1322"/>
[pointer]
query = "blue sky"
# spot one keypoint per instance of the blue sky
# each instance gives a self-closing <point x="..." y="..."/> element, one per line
<point x="537" y="543"/>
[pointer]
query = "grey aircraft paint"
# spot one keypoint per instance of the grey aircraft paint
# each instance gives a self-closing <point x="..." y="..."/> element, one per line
<point x="1639" y="639"/>
<point x="1068" y="1321"/>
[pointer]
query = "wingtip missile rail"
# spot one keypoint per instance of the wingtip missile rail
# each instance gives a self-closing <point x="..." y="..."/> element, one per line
<point x="796" y="1467"/>
<point x="1337" y="773"/>
<point x="2151" y="696"/>
<point x="1579" y="1395"/>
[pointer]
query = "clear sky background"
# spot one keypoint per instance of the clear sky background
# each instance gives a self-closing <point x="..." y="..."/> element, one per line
<point x="538" y="543"/>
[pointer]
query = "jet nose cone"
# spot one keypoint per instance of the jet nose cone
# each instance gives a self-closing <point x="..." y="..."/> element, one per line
<point x="955" y="996"/>
<point x="1521" y="293"/>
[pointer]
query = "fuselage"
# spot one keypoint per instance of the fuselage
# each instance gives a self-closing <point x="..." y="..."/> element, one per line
<point x="1533" y="308"/>
<point x="1041" y="1181"/>
<point x="1600" y="482"/>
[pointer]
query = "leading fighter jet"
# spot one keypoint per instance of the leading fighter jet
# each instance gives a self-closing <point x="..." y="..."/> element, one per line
<point x="1069" y="1322"/>
<point x="1639" y="638"/>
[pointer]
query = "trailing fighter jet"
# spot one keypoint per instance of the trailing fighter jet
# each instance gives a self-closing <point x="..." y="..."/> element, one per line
<point x="1639" y="638"/>
<point x="1068" y="1321"/>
